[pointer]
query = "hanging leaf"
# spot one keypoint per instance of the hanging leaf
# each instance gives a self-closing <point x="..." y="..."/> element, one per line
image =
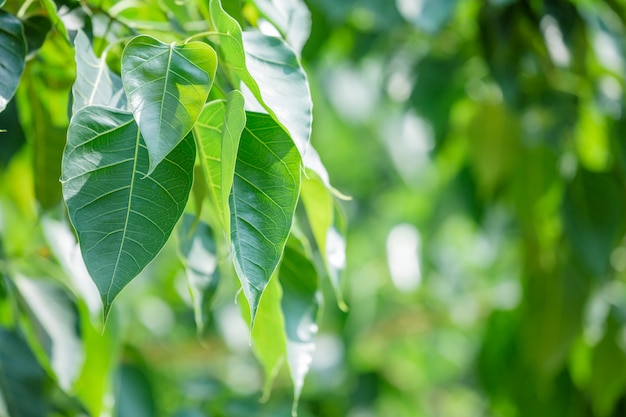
<point x="167" y="86"/>
<point x="199" y="253"/>
<point x="270" y="69"/>
<point x="12" y="56"/>
<point x="122" y="213"/>
<point x="262" y="202"/>
<point x="300" y="305"/>
<point x="55" y="318"/>
<point x="217" y="132"/>
<point x="95" y="83"/>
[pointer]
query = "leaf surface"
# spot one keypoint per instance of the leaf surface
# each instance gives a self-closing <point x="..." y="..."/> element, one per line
<point x="12" y="56"/>
<point x="262" y="203"/>
<point x="217" y="133"/>
<point x="95" y="83"/>
<point x="271" y="71"/>
<point x="198" y="249"/>
<point x="123" y="215"/>
<point x="167" y="86"/>
<point x="291" y="17"/>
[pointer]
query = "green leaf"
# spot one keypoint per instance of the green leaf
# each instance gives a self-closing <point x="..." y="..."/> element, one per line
<point x="291" y="17"/>
<point x="22" y="380"/>
<point x="12" y="56"/>
<point x="300" y="305"/>
<point x="135" y="395"/>
<point x="55" y="318"/>
<point x="51" y="8"/>
<point x="199" y="252"/>
<point x="217" y="133"/>
<point x="270" y="69"/>
<point x="167" y="86"/>
<point x="262" y="202"/>
<point x="95" y="83"/>
<point x="123" y="215"/>
<point x="36" y="29"/>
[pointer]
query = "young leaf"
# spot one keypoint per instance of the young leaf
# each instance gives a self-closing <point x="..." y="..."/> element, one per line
<point x="270" y="69"/>
<point x="95" y="83"/>
<point x="262" y="203"/>
<point x="122" y="213"/>
<point x="217" y="133"/>
<point x="167" y="86"/>
<point x="51" y="8"/>
<point x="300" y="304"/>
<point x="12" y="56"/>
<point x="197" y="247"/>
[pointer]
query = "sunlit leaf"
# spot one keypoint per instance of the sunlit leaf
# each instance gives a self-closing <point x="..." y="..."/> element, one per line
<point x="12" y="56"/>
<point x="51" y="8"/>
<point x="22" y="380"/>
<point x="300" y="304"/>
<point x="95" y="83"/>
<point x="291" y="17"/>
<point x="270" y="69"/>
<point x="55" y="318"/>
<point x="197" y="247"/>
<point x="217" y="133"/>
<point x="167" y="86"/>
<point x="123" y="215"/>
<point x="262" y="203"/>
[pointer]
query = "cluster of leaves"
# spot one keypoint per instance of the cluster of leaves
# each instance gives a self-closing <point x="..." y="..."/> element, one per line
<point x="174" y="113"/>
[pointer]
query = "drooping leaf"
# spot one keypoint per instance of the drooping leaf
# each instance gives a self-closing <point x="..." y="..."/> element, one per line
<point x="95" y="83"/>
<point x="36" y="29"/>
<point x="12" y="56"/>
<point x="167" y="86"/>
<point x="22" y="380"/>
<point x="300" y="304"/>
<point x="268" y="335"/>
<point x="270" y="70"/>
<point x="217" y="132"/>
<point x="291" y="17"/>
<point x="199" y="252"/>
<point x="263" y="199"/>
<point x="123" y="215"/>
<point x="55" y="318"/>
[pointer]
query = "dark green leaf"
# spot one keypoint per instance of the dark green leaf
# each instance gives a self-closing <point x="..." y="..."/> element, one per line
<point x="36" y="29"/>
<point x="123" y="215"/>
<point x="167" y="86"/>
<point x="95" y="83"/>
<point x="21" y="378"/>
<point x="262" y="202"/>
<point x="12" y="56"/>
<point x="217" y="133"/>
<point x="197" y="247"/>
<point x="135" y="395"/>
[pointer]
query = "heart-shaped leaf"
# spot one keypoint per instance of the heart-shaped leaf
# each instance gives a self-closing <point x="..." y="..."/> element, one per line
<point x="217" y="133"/>
<point x="167" y="86"/>
<point x="270" y="69"/>
<point x="12" y="56"/>
<point x="262" y="203"/>
<point x="123" y="215"/>
<point x="95" y="83"/>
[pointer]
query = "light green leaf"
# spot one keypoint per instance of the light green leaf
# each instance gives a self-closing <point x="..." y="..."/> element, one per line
<point x="217" y="133"/>
<point x="269" y="341"/>
<point x="55" y="318"/>
<point x="300" y="305"/>
<point x="262" y="203"/>
<point x="123" y="215"/>
<point x="270" y="69"/>
<point x="199" y="252"/>
<point x="51" y="8"/>
<point x="22" y="380"/>
<point x="12" y="56"/>
<point x="291" y="17"/>
<point x="2" y="2"/>
<point x="167" y="86"/>
<point x="95" y="83"/>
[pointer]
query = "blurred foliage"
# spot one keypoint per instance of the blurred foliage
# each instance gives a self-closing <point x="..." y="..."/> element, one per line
<point x="481" y="142"/>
